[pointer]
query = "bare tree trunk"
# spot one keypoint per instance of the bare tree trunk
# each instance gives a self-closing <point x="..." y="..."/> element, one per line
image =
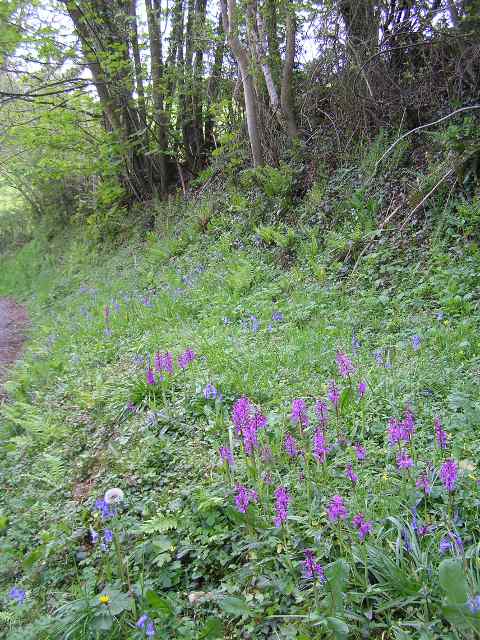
<point x="286" y="92"/>
<point x="161" y="126"/>
<point x="244" y="63"/>
<point x="213" y="84"/>
<point x="137" y="63"/>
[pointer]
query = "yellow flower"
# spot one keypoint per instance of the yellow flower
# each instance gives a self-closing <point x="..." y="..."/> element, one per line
<point x="104" y="599"/>
<point x="385" y="476"/>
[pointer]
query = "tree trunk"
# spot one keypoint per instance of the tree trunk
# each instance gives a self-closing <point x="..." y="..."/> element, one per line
<point x="286" y="93"/>
<point x="244" y="63"/>
<point x="161" y="125"/>
<point x="213" y="84"/>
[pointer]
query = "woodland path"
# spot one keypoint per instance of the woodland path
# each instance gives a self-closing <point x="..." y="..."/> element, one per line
<point x="13" y="321"/>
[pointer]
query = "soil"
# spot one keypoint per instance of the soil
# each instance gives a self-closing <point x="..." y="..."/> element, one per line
<point x="13" y="322"/>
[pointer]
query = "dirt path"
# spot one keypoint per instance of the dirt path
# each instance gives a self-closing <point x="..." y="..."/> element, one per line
<point x="13" y="320"/>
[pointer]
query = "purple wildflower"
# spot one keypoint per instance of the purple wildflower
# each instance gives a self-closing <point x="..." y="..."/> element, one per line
<point x="106" y="510"/>
<point x="290" y="445"/>
<point x="150" y="630"/>
<point x="365" y="529"/>
<point x="226" y="455"/>
<point x="150" y="376"/>
<point x="243" y="497"/>
<point x="142" y="621"/>
<point x="93" y="536"/>
<point x="312" y="568"/>
<point x="17" y="594"/>
<point x="451" y="542"/>
<point x="424" y="483"/>
<point x="320" y="449"/>
<point x="351" y="475"/>
<point x="249" y="434"/>
<point x="210" y="392"/>
<point x="106" y="312"/>
<point x="299" y="412"/>
<point x="448" y="474"/>
<point x="474" y="604"/>
<point x="378" y="355"/>
<point x="360" y="451"/>
<point x="416" y="341"/>
<point x="186" y="358"/>
<point x="255" y="323"/>
<point x="356" y="344"/>
<point x="333" y="393"/>
<point x="362" y="388"/>
<point x="344" y="364"/>
<point x="241" y="413"/>
<point x="163" y="362"/>
<point x="321" y="411"/>
<point x="282" y="500"/>
<point x="108" y="536"/>
<point x="404" y="461"/>
<point x="336" y="509"/>
<point x="277" y="316"/>
<point x="358" y="520"/>
<point x="440" y="434"/>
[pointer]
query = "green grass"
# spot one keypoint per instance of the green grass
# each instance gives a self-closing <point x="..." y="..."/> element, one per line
<point x="182" y="553"/>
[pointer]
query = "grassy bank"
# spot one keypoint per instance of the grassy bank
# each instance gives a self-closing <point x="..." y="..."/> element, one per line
<point x="193" y="543"/>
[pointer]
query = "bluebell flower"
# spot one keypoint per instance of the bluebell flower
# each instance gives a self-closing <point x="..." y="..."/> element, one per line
<point x="17" y="594"/>
<point x="378" y="355"/>
<point x="440" y="315"/>
<point x="93" y="536"/>
<point x="474" y="604"/>
<point x="356" y="344"/>
<point x="416" y="341"/>
<point x="226" y="320"/>
<point x="210" y="391"/>
<point x="105" y="510"/>
<point x="277" y="316"/>
<point x="255" y="323"/>
<point x="108" y="536"/>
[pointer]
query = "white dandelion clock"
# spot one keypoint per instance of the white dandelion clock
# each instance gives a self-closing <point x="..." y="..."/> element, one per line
<point x="113" y="496"/>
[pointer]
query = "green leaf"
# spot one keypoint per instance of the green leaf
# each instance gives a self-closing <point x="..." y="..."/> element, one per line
<point x="33" y="557"/>
<point x="337" y="575"/>
<point x="102" y="622"/>
<point x="235" y="606"/>
<point x="159" y="604"/>
<point x="213" y="628"/>
<point x="338" y="628"/>
<point x="453" y="581"/>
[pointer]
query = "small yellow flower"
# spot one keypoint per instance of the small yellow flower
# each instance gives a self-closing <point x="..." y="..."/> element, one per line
<point x="385" y="476"/>
<point x="446" y="322"/>
<point x="104" y="599"/>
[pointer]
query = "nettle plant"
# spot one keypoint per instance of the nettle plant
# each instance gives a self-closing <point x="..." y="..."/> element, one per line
<point x="357" y="531"/>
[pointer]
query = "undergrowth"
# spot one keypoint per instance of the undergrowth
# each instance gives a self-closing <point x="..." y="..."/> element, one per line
<point x="247" y="544"/>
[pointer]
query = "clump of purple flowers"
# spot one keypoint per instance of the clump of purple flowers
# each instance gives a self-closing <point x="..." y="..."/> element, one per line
<point x="320" y="449"/>
<point x="247" y="420"/>
<point x="150" y="377"/>
<point x="351" y="475"/>
<point x="163" y="362"/>
<point x="344" y="364"/>
<point x="449" y="474"/>
<point x="321" y="411"/>
<point x="186" y="358"/>
<point x="312" y="568"/>
<point x="299" y="413"/>
<point x="227" y="456"/>
<point x="362" y="388"/>
<point x="145" y="623"/>
<point x="424" y="483"/>
<point x="365" y="527"/>
<point x="440" y="434"/>
<point x="210" y="392"/>
<point x="416" y="342"/>
<point x="242" y="411"/>
<point x="360" y="451"/>
<point x="243" y="497"/>
<point x="401" y="430"/>
<point x="451" y="542"/>
<point x="282" y="500"/>
<point x="290" y="445"/>
<point x="336" y="509"/>
<point x="404" y="461"/>
<point x="105" y="510"/>
<point x="17" y="594"/>
<point x="333" y="393"/>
